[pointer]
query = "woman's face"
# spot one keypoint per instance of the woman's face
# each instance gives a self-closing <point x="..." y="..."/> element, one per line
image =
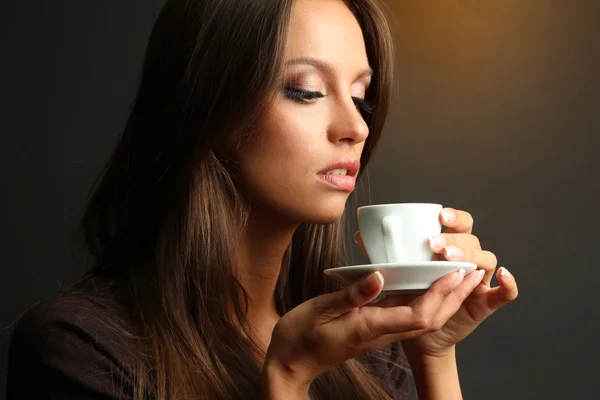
<point x="303" y="160"/>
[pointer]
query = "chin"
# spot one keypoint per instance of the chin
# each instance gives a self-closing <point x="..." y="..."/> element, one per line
<point x="325" y="211"/>
<point x="316" y="208"/>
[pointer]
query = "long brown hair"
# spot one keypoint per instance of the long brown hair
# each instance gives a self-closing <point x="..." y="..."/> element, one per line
<point x="161" y="220"/>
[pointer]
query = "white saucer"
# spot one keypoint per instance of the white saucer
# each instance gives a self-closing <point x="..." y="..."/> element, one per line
<point x="405" y="277"/>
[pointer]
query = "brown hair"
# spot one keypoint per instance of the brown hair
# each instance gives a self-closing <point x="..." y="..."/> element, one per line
<point x="162" y="217"/>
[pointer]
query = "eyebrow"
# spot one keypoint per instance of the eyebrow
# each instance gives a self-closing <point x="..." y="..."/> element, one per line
<point x="326" y="67"/>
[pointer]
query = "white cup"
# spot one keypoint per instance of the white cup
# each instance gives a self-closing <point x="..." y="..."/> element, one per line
<point x="399" y="233"/>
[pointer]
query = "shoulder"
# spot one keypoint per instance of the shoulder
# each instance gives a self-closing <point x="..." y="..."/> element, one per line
<point x="65" y="317"/>
<point x="64" y="344"/>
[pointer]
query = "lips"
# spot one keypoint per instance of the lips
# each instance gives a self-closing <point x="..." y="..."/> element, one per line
<point x="341" y="175"/>
<point x="347" y="164"/>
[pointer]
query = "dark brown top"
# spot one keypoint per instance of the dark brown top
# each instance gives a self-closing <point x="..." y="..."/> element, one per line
<point x="60" y="350"/>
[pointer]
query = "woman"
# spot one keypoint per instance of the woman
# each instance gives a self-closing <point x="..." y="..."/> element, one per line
<point x="221" y="207"/>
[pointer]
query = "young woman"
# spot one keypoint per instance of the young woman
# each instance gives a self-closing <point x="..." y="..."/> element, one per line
<point x="218" y="212"/>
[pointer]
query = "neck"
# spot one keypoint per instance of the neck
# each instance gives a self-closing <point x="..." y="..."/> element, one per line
<point x="263" y="246"/>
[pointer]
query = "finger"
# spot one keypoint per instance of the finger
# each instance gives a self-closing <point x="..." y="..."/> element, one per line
<point x="331" y="305"/>
<point x="372" y="325"/>
<point x="396" y="300"/>
<point x="427" y="316"/>
<point x="485" y="260"/>
<point x="457" y="221"/>
<point x="454" y="300"/>
<point x="437" y="243"/>
<point x="431" y="300"/>
<point x="506" y="292"/>
<point x="359" y="242"/>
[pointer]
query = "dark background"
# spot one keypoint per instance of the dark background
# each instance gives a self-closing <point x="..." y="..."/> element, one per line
<point x="496" y="112"/>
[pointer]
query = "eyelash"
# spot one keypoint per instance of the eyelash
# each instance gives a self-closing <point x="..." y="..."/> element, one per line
<point x="306" y="96"/>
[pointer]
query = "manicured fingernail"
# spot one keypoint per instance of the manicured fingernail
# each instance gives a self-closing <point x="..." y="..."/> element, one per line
<point x="368" y="285"/>
<point x="459" y="278"/>
<point x="379" y="277"/>
<point x="437" y="242"/>
<point x="453" y="253"/>
<point x="479" y="278"/>
<point x="505" y="274"/>
<point x="448" y="215"/>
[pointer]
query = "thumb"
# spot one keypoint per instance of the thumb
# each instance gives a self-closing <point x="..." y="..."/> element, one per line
<point x="332" y="305"/>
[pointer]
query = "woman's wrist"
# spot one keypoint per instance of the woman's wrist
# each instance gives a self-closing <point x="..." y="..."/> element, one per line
<point x="436" y="376"/>
<point x="438" y="358"/>
<point x="278" y="383"/>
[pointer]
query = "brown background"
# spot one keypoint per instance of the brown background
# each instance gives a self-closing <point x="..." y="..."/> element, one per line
<point x="496" y="112"/>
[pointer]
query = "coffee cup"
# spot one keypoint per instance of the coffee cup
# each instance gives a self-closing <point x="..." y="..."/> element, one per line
<point x="399" y="233"/>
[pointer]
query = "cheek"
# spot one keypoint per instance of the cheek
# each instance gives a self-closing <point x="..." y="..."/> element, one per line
<point x="288" y="152"/>
<point x="293" y="138"/>
<point x="280" y="153"/>
<point x="278" y="168"/>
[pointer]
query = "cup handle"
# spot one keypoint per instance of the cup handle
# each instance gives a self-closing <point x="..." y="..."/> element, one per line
<point x="390" y="229"/>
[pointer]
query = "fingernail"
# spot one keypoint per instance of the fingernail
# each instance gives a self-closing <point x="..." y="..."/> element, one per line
<point x="453" y="253"/>
<point x="437" y="242"/>
<point x="479" y="278"/>
<point x="448" y="215"/>
<point x="379" y="277"/>
<point x="459" y="278"/>
<point x="505" y="274"/>
<point x="368" y="285"/>
<point x="355" y="237"/>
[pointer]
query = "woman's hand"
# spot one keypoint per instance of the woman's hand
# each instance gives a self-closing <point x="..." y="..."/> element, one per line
<point x="458" y="244"/>
<point x="335" y="327"/>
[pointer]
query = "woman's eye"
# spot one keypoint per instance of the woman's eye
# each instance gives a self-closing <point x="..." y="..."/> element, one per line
<point x="363" y="106"/>
<point x="308" y="96"/>
<point x="301" y="95"/>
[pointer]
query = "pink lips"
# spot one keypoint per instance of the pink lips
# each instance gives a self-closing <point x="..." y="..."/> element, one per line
<point x="342" y="182"/>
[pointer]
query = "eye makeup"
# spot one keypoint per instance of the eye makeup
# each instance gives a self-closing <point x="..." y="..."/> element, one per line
<point x="301" y="95"/>
<point x="363" y="106"/>
<point x="308" y="96"/>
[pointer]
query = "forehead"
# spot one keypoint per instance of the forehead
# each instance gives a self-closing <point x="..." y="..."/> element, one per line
<point x="327" y="30"/>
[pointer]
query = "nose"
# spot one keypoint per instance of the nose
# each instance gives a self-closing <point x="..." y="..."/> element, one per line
<point x="347" y="124"/>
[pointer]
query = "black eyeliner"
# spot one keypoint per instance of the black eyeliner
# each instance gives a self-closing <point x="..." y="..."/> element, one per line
<point x="301" y="95"/>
